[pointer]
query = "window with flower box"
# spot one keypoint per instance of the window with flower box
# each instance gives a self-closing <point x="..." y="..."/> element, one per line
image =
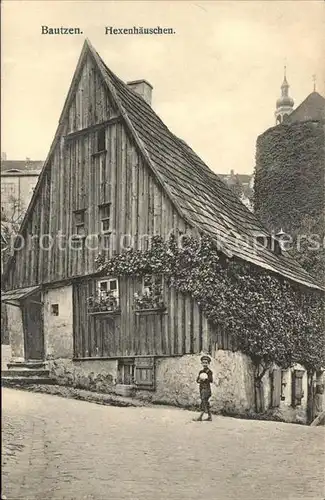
<point x="106" y="298"/>
<point x="151" y="297"/>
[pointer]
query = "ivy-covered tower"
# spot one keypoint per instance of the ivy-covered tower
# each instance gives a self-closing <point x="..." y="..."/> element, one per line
<point x="285" y="103"/>
<point x="289" y="188"/>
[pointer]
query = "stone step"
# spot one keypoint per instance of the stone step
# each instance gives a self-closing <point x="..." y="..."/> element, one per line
<point x="21" y="381"/>
<point x="25" y="372"/>
<point x="26" y="364"/>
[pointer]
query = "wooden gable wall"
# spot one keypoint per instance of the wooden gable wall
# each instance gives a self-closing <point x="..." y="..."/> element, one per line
<point x="77" y="177"/>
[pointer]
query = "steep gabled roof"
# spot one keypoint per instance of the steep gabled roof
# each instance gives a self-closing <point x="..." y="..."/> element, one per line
<point x="198" y="194"/>
<point x="312" y="108"/>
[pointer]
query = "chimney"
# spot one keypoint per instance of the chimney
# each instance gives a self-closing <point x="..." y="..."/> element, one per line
<point x="143" y="88"/>
<point x="3" y="156"/>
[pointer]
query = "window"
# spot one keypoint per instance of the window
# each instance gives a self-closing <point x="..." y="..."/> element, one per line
<point x="283" y="384"/>
<point x="55" y="309"/>
<point x="144" y="375"/>
<point x="108" y="287"/>
<point x="105" y="218"/>
<point x="100" y="140"/>
<point x="79" y="222"/>
<point x="125" y="372"/>
<point x="8" y="188"/>
<point x="297" y="387"/>
<point x="275" y="377"/>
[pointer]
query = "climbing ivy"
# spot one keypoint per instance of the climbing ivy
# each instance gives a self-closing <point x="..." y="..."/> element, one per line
<point x="272" y="320"/>
<point x="289" y="187"/>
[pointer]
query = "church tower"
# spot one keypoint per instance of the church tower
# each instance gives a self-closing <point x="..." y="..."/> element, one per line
<point x="284" y="105"/>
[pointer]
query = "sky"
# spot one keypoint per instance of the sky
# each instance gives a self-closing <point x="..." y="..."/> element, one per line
<point x="215" y="81"/>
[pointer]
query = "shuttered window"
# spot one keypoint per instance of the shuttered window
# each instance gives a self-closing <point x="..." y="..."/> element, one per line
<point x="276" y="381"/>
<point x="145" y="373"/>
<point x="297" y="387"/>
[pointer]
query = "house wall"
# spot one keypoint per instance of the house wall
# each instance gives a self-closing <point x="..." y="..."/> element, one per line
<point x="232" y="388"/>
<point x="58" y="330"/>
<point x="16" y="332"/>
<point x="285" y="410"/>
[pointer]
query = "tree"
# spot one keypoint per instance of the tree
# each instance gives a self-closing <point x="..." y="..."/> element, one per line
<point x="11" y="219"/>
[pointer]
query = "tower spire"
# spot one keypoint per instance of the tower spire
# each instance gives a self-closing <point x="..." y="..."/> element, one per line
<point x="284" y="105"/>
<point x="314" y="80"/>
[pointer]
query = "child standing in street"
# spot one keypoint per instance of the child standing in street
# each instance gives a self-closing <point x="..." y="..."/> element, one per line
<point x="205" y="379"/>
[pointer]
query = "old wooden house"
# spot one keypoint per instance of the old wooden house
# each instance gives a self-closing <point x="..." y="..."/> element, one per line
<point x="114" y="176"/>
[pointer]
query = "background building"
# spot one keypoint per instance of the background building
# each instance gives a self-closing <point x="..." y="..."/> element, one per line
<point x="18" y="179"/>
<point x="242" y="185"/>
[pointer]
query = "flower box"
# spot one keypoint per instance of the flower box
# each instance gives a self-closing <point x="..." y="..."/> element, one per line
<point x="148" y="302"/>
<point x="147" y="312"/>
<point x="103" y="303"/>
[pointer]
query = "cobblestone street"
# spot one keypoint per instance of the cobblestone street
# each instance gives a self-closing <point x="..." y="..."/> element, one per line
<point x="55" y="449"/>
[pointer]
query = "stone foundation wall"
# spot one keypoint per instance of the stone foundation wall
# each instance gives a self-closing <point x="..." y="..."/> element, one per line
<point x="94" y="375"/>
<point x="232" y="388"/>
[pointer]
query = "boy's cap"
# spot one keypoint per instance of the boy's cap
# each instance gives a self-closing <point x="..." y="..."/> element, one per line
<point x="206" y="358"/>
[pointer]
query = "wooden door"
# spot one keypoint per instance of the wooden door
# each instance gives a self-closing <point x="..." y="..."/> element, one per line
<point x="33" y="328"/>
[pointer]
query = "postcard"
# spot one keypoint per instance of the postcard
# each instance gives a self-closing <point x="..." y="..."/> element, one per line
<point x="163" y="250"/>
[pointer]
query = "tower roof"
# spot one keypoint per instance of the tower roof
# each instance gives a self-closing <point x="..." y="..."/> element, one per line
<point x="285" y="100"/>
<point x="312" y="108"/>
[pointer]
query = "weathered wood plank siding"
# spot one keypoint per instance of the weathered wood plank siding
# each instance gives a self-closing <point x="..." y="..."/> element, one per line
<point x="78" y="177"/>
<point x="132" y="334"/>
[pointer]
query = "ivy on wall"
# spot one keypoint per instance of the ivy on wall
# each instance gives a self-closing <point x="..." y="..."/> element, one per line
<point x="272" y="320"/>
<point x="289" y="187"/>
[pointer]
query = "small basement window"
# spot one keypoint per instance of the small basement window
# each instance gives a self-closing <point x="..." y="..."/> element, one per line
<point x="100" y="140"/>
<point x="125" y="372"/>
<point x="55" y="309"/>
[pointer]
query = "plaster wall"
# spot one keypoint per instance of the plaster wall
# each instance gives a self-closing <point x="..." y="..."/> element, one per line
<point x="232" y="388"/>
<point x="58" y="329"/>
<point x="16" y="332"/>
